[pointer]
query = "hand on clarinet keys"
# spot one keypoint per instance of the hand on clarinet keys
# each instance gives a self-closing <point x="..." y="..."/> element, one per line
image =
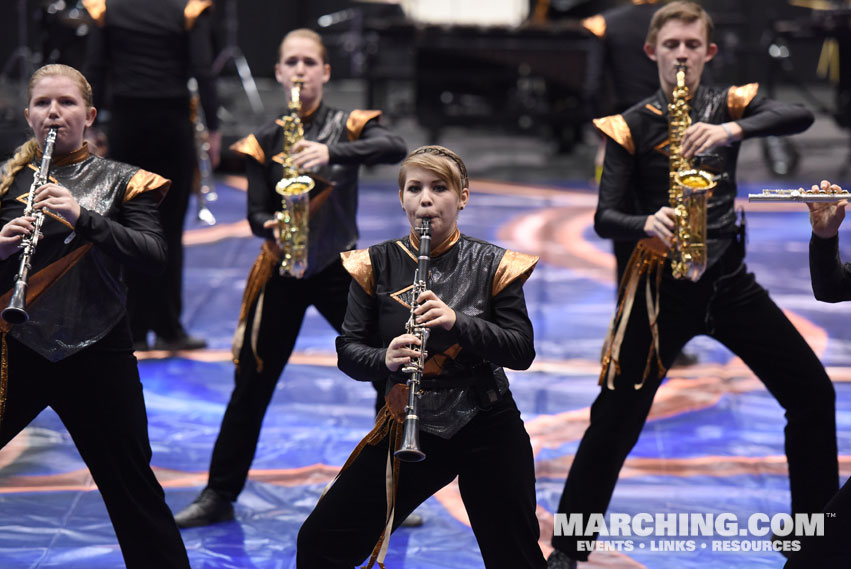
<point x="400" y="352"/>
<point x="434" y="312"/>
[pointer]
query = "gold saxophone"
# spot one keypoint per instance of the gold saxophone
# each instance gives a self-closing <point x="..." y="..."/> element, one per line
<point x="688" y="191"/>
<point x="294" y="188"/>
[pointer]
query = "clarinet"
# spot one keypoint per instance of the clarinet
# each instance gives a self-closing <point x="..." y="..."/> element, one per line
<point x="409" y="451"/>
<point x="16" y="312"/>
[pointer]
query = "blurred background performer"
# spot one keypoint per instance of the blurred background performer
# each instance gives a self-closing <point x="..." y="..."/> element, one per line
<point x="335" y="144"/>
<point x="831" y="280"/>
<point x="146" y="50"/>
<point x="469" y="423"/>
<point x="726" y="303"/>
<point x="75" y="353"/>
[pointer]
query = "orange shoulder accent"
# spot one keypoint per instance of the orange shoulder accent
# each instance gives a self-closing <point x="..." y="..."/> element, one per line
<point x="615" y="126"/>
<point x="738" y="98"/>
<point x="357" y="120"/>
<point x="193" y="9"/>
<point x="358" y="264"/>
<point x="97" y="10"/>
<point x="513" y="266"/>
<point x="653" y="109"/>
<point x="596" y="25"/>
<point x="144" y="181"/>
<point x="249" y="146"/>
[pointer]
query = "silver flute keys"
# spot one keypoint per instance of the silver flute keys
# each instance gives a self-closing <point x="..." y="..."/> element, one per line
<point x="409" y="450"/>
<point x="16" y="312"/>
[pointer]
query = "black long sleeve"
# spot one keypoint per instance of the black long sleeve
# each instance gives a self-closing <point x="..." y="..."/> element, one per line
<point x="376" y="145"/>
<point x="359" y="353"/>
<point x="508" y="339"/>
<point x="831" y="279"/>
<point x="613" y="218"/>
<point x="136" y="238"/>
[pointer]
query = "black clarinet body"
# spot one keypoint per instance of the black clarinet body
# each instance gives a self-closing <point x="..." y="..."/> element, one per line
<point x="409" y="450"/>
<point x="16" y="311"/>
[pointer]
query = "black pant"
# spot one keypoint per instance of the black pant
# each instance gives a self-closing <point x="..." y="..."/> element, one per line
<point x="833" y="549"/>
<point x="98" y="396"/>
<point x="285" y="301"/>
<point x="491" y="456"/>
<point x="156" y="134"/>
<point x="728" y="305"/>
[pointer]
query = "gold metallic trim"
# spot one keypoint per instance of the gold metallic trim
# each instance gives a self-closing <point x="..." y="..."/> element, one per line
<point x="738" y="98"/>
<point x="653" y="109"/>
<point x="97" y="10"/>
<point x="405" y="249"/>
<point x="397" y="296"/>
<point x="513" y="266"/>
<point x="249" y="146"/>
<point x="144" y="181"/>
<point x="358" y="264"/>
<point x="615" y="126"/>
<point x="357" y="120"/>
<point x="435" y="363"/>
<point x="596" y="25"/>
<point x="192" y="10"/>
<point x="441" y="248"/>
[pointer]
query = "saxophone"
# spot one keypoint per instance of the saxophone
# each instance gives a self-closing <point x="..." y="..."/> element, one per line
<point x="688" y="191"/>
<point x="409" y="450"/>
<point x="294" y="188"/>
<point x="16" y="312"/>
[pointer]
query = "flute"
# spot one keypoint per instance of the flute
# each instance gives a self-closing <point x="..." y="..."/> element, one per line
<point x="799" y="195"/>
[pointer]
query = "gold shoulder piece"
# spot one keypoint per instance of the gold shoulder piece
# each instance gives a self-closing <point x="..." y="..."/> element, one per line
<point x="97" y="10"/>
<point x="738" y="98"/>
<point x="596" y="25"/>
<point x="357" y="120"/>
<point x="249" y="146"/>
<point x="193" y="9"/>
<point x="512" y="266"/>
<point x="615" y="126"/>
<point x="144" y="181"/>
<point x="358" y="264"/>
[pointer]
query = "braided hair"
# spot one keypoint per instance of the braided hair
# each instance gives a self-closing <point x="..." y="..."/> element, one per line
<point x="439" y="160"/>
<point x="26" y="152"/>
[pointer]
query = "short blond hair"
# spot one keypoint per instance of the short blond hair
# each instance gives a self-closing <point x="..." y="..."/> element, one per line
<point x="439" y="160"/>
<point x="307" y="34"/>
<point x="686" y="11"/>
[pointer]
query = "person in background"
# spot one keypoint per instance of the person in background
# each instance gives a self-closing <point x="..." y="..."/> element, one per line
<point x="144" y="52"/>
<point x="335" y="144"/>
<point x="75" y="353"/>
<point x="725" y="303"/>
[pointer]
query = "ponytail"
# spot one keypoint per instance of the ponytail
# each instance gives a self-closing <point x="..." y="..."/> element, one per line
<point x="23" y="156"/>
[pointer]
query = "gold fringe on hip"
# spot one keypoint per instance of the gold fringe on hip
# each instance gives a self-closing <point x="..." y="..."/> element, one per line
<point x="647" y="262"/>
<point x="385" y="426"/>
<point x="259" y="275"/>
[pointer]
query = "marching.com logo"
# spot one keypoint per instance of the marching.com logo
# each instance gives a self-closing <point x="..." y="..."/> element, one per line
<point x="786" y="529"/>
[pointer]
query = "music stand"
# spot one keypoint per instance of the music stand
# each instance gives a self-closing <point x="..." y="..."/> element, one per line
<point x="231" y="52"/>
<point x="22" y="52"/>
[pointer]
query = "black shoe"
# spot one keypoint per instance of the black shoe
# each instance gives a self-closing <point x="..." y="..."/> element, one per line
<point x="560" y="560"/>
<point x="209" y="507"/>
<point x="183" y="342"/>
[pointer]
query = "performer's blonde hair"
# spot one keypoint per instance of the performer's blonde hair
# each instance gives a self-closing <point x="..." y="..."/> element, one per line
<point x="25" y="153"/>
<point x="441" y="161"/>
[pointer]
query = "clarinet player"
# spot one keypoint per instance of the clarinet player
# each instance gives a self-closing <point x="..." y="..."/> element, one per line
<point x="469" y="423"/>
<point x="75" y="353"/>
<point x="726" y="303"/>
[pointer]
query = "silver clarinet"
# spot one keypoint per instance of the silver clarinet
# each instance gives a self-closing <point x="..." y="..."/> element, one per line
<point x="409" y="450"/>
<point x="799" y="195"/>
<point x="16" y="312"/>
